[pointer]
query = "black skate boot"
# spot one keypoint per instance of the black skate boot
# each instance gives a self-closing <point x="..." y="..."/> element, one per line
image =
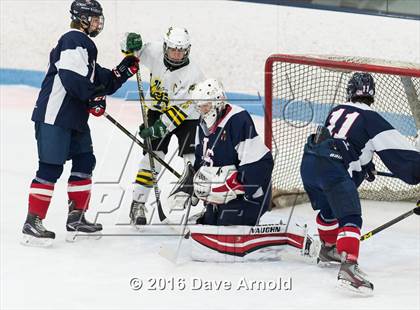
<point x="328" y="255"/>
<point x="77" y="225"/>
<point x="35" y="234"/>
<point x="351" y="278"/>
<point x="137" y="213"/>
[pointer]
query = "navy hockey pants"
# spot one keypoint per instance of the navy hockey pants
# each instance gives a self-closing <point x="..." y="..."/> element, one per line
<point x="56" y="145"/>
<point x="330" y="188"/>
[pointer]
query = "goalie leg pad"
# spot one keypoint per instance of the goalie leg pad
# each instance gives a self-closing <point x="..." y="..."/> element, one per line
<point x="243" y="243"/>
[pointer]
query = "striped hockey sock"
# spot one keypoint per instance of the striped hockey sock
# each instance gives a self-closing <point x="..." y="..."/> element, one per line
<point x="79" y="192"/>
<point x="40" y="195"/>
<point x="348" y="241"/>
<point x="328" y="230"/>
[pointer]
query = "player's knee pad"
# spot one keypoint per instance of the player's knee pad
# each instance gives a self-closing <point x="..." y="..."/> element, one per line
<point x="83" y="163"/>
<point x="49" y="172"/>
<point x="351" y="220"/>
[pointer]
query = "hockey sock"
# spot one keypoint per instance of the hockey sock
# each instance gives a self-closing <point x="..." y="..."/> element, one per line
<point x="40" y="195"/>
<point x="145" y="178"/>
<point x="79" y="192"/>
<point x="327" y="229"/>
<point x="348" y="241"/>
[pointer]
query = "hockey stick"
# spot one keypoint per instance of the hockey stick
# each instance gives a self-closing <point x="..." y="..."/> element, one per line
<point x="137" y="141"/>
<point x="162" y="216"/>
<point x="173" y="255"/>
<point x="416" y="211"/>
<point x="385" y="174"/>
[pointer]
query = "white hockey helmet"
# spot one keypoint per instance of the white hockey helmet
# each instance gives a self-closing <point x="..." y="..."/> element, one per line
<point x="178" y="39"/>
<point x="210" y="99"/>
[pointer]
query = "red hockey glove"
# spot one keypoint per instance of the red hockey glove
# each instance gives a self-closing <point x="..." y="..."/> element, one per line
<point x="97" y="105"/>
<point x="127" y="68"/>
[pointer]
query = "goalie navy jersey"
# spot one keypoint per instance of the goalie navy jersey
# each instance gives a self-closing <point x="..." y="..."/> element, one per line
<point x="236" y="142"/>
<point x="73" y="77"/>
<point x="359" y="132"/>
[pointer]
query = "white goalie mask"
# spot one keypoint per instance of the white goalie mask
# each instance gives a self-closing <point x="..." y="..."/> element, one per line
<point x="176" y="46"/>
<point x="210" y="100"/>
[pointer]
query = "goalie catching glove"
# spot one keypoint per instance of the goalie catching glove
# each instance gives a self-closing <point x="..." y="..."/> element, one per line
<point x="217" y="185"/>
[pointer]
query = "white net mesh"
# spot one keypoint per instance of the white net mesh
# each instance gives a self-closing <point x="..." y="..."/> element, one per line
<point x="302" y="96"/>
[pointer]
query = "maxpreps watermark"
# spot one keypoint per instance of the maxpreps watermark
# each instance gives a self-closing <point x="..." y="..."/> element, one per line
<point x="199" y="284"/>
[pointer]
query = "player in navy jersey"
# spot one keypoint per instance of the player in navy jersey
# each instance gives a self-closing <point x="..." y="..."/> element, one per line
<point x="337" y="159"/>
<point x="74" y="86"/>
<point x="233" y="166"/>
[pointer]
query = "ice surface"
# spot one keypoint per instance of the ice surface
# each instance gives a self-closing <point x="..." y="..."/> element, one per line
<point x="96" y="274"/>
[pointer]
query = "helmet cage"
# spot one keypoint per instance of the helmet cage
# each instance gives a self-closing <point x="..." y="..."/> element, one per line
<point x="209" y="92"/>
<point x="179" y="39"/>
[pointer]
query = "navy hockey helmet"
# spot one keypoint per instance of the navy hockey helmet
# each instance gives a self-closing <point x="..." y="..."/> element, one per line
<point x="83" y="11"/>
<point x="361" y="87"/>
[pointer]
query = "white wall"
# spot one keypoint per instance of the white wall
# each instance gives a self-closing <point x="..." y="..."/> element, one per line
<point x="231" y="40"/>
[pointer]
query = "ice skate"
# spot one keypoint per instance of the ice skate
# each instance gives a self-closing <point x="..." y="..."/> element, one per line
<point x="35" y="234"/>
<point x="137" y="213"/>
<point x="328" y="256"/>
<point x="78" y="227"/>
<point x="352" y="279"/>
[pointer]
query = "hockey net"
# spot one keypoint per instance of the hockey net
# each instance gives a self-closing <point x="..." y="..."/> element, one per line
<point x="299" y="93"/>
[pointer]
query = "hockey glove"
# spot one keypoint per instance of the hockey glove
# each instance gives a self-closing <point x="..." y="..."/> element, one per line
<point x="370" y="172"/>
<point x="158" y="130"/>
<point x="131" y="43"/>
<point x="97" y="105"/>
<point x="217" y="185"/>
<point x="127" y="68"/>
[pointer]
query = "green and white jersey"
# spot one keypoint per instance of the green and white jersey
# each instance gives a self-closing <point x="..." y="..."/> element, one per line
<point x="169" y="89"/>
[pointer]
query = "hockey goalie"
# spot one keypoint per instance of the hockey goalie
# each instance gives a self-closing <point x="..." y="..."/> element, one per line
<point x="232" y="177"/>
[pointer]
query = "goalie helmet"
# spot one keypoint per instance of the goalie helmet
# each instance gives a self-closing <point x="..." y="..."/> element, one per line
<point x="361" y="87"/>
<point x="210" y="100"/>
<point x="176" y="40"/>
<point x="83" y="11"/>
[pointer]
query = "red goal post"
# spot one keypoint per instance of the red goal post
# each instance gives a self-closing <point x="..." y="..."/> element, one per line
<point x="300" y="91"/>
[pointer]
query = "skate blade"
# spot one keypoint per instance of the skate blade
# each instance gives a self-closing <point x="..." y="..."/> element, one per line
<point x="28" y="240"/>
<point x="330" y="264"/>
<point x="346" y="286"/>
<point x="73" y="236"/>
<point x="138" y="227"/>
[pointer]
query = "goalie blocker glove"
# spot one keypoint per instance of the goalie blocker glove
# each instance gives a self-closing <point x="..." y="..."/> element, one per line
<point x="217" y="185"/>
